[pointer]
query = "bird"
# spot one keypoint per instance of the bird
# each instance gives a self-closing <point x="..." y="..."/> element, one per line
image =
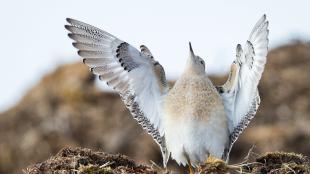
<point x="193" y="119"/>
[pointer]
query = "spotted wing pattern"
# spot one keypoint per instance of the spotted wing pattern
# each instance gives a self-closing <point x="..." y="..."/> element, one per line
<point x="135" y="75"/>
<point x="240" y="94"/>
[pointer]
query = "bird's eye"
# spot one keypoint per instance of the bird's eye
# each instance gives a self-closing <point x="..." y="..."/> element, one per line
<point x="202" y="62"/>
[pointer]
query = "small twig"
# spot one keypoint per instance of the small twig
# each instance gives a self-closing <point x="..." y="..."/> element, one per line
<point x="247" y="157"/>
<point x="154" y="164"/>
<point x="287" y="166"/>
<point x="106" y="164"/>
<point x="242" y="164"/>
<point x="275" y="170"/>
<point x="241" y="172"/>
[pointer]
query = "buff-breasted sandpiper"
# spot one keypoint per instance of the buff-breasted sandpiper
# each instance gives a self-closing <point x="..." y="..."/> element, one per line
<point x="193" y="119"/>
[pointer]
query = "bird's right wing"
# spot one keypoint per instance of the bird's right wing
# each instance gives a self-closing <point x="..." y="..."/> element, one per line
<point x="135" y="75"/>
<point x="240" y="94"/>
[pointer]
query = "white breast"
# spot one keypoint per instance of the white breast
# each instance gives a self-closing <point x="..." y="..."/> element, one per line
<point x="196" y="139"/>
<point x="195" y="122"/>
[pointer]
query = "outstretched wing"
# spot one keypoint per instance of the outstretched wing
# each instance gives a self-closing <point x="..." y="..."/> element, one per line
<point x="135" y="75"/>
<point x="240" y="94"/>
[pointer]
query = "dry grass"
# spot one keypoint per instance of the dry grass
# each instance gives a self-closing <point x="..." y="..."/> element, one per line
<point x="269" y="163"/>
<point x="278" y="163"/>
<point x="86" y="161"/>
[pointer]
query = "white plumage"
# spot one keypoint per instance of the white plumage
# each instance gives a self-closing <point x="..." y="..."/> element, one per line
<point x="194" y="118"/>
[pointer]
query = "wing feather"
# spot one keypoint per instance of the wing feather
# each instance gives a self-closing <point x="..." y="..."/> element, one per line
<point x="130" y="72"/>
<point x="94" y="54"/>
<point x="90" y="46"/>
<point x="93" y="62"/>
<point x="241" y="100"/>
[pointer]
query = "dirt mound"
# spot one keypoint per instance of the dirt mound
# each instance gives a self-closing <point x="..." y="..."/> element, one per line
<point x="279" y="162"/>
<point x="273" y="162"/>
<point x="86" y="161"/>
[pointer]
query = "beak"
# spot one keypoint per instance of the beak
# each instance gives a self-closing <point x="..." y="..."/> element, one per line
<point x="191" y="50"/>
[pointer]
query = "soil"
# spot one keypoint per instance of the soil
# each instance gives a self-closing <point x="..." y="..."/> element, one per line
<point x="86" y="161"/>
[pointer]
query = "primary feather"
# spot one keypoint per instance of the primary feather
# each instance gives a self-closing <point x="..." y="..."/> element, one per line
<point x="241" y="99"/>
<point x="133" y="74"/>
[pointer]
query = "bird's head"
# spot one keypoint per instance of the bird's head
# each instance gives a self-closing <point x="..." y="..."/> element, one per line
<point x="195" y="63"/>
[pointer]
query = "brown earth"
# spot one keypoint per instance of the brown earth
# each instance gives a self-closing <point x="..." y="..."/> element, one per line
<point x="86" y="161"/>
<point x="66" y="109"/>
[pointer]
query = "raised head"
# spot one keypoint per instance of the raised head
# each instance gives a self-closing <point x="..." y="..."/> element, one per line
<point x="195" y="64"/>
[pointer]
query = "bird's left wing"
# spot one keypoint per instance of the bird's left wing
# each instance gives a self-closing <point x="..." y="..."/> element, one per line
<point x="135" y="75"/>
<point x="240" y="94"/>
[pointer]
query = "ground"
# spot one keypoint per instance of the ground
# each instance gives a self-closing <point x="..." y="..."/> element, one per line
<point x="86" y="161"/>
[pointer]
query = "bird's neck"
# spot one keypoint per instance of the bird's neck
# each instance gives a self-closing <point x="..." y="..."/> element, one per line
<point x="193" y="69"/>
